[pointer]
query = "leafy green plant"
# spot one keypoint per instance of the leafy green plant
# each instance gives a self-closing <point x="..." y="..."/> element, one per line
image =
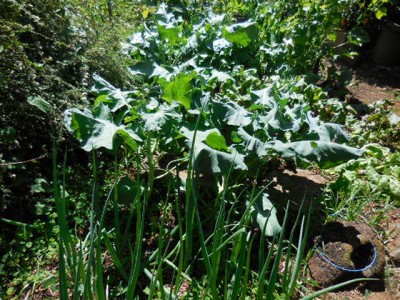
<point x="381" y="125"/>
<point x="197" y="102"/>
<point x="209" y="101"/>
<point x="214" y="100"/>
<point x="374" y="177"/>
<point x="203" y="105"/>
<point x="372" y="180"/>
<point x="233" y="125"/>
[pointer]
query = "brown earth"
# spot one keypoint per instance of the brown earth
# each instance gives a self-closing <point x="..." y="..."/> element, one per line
<point x="372" y="83"/>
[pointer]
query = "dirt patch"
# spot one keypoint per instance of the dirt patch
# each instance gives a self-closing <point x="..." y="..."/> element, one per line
<point x="372" y="83"/>
<point x="295" y="186"/>
<point x="392" y="217"/>
<point x="300" y="188"/>
<point x="358" y="295"/>
<point x="390" y="225"/>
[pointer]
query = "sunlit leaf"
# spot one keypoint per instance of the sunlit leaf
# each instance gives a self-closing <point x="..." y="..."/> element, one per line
<point x="216" y="141"/>
<point x="150" y="69"/>
<point x="95" y="130"/>
<point x="170" y="34"/>
<point x="231" y="113"/>
<point x="207" y="159"/>
<point x="179" y="89"/>
<point x="251" y="143"/>
<point x="381" y="12"/>
<point x="326" y="154"/>
<point x="221" y="44"/>
<point x="39" y="103"/>
<point x="241" y="34"/>
<point x="156" y="121"/>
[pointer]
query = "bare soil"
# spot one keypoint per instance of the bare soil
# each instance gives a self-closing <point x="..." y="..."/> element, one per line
<point x="372" y="83"/>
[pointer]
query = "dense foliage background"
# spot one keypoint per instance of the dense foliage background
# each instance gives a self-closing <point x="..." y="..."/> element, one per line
<point x="48" y="51"/>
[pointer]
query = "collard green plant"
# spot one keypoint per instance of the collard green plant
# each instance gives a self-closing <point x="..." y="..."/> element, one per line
<point x="202" y="93"/>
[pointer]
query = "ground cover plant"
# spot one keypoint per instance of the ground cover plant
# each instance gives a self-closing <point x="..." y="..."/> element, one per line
<point x="176" y="203"/>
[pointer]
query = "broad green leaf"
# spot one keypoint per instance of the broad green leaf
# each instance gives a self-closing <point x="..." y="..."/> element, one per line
<point x="95" y="130"/>
<point x="150" y="69"/>
<point x="163" y="16"/>
<point x="39" y="103"/>
<point x="231" y="113"/>
<point x="179" y="89"/>
<point x="271" y="117"/>
<point x="263" y="96"/>
<point x="171" y="34"/>
<point x="265" y="214"/>
<point x="168" y="26"/>
<point x="207" y="159"/>
<point x="115" y="100"/>
<point x="293" y="116"/>
<point x="333" y="132"/>
<point x="326" y="154"/>
<point x="251" y="143"/>
<point x="216" y="141"/>
<point x="278" y="119"/>
<point x="241" y="34"/>
<point x="221" y="76"/>
<point x="326" y="131"/>
<point x="157" y="120"/>
<point x="101" y="85"/>
<point x="220" y="45"/>
<point x="129" y="137"/>
<point x="111" y="96"/>
<point x="215" y="18"/>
